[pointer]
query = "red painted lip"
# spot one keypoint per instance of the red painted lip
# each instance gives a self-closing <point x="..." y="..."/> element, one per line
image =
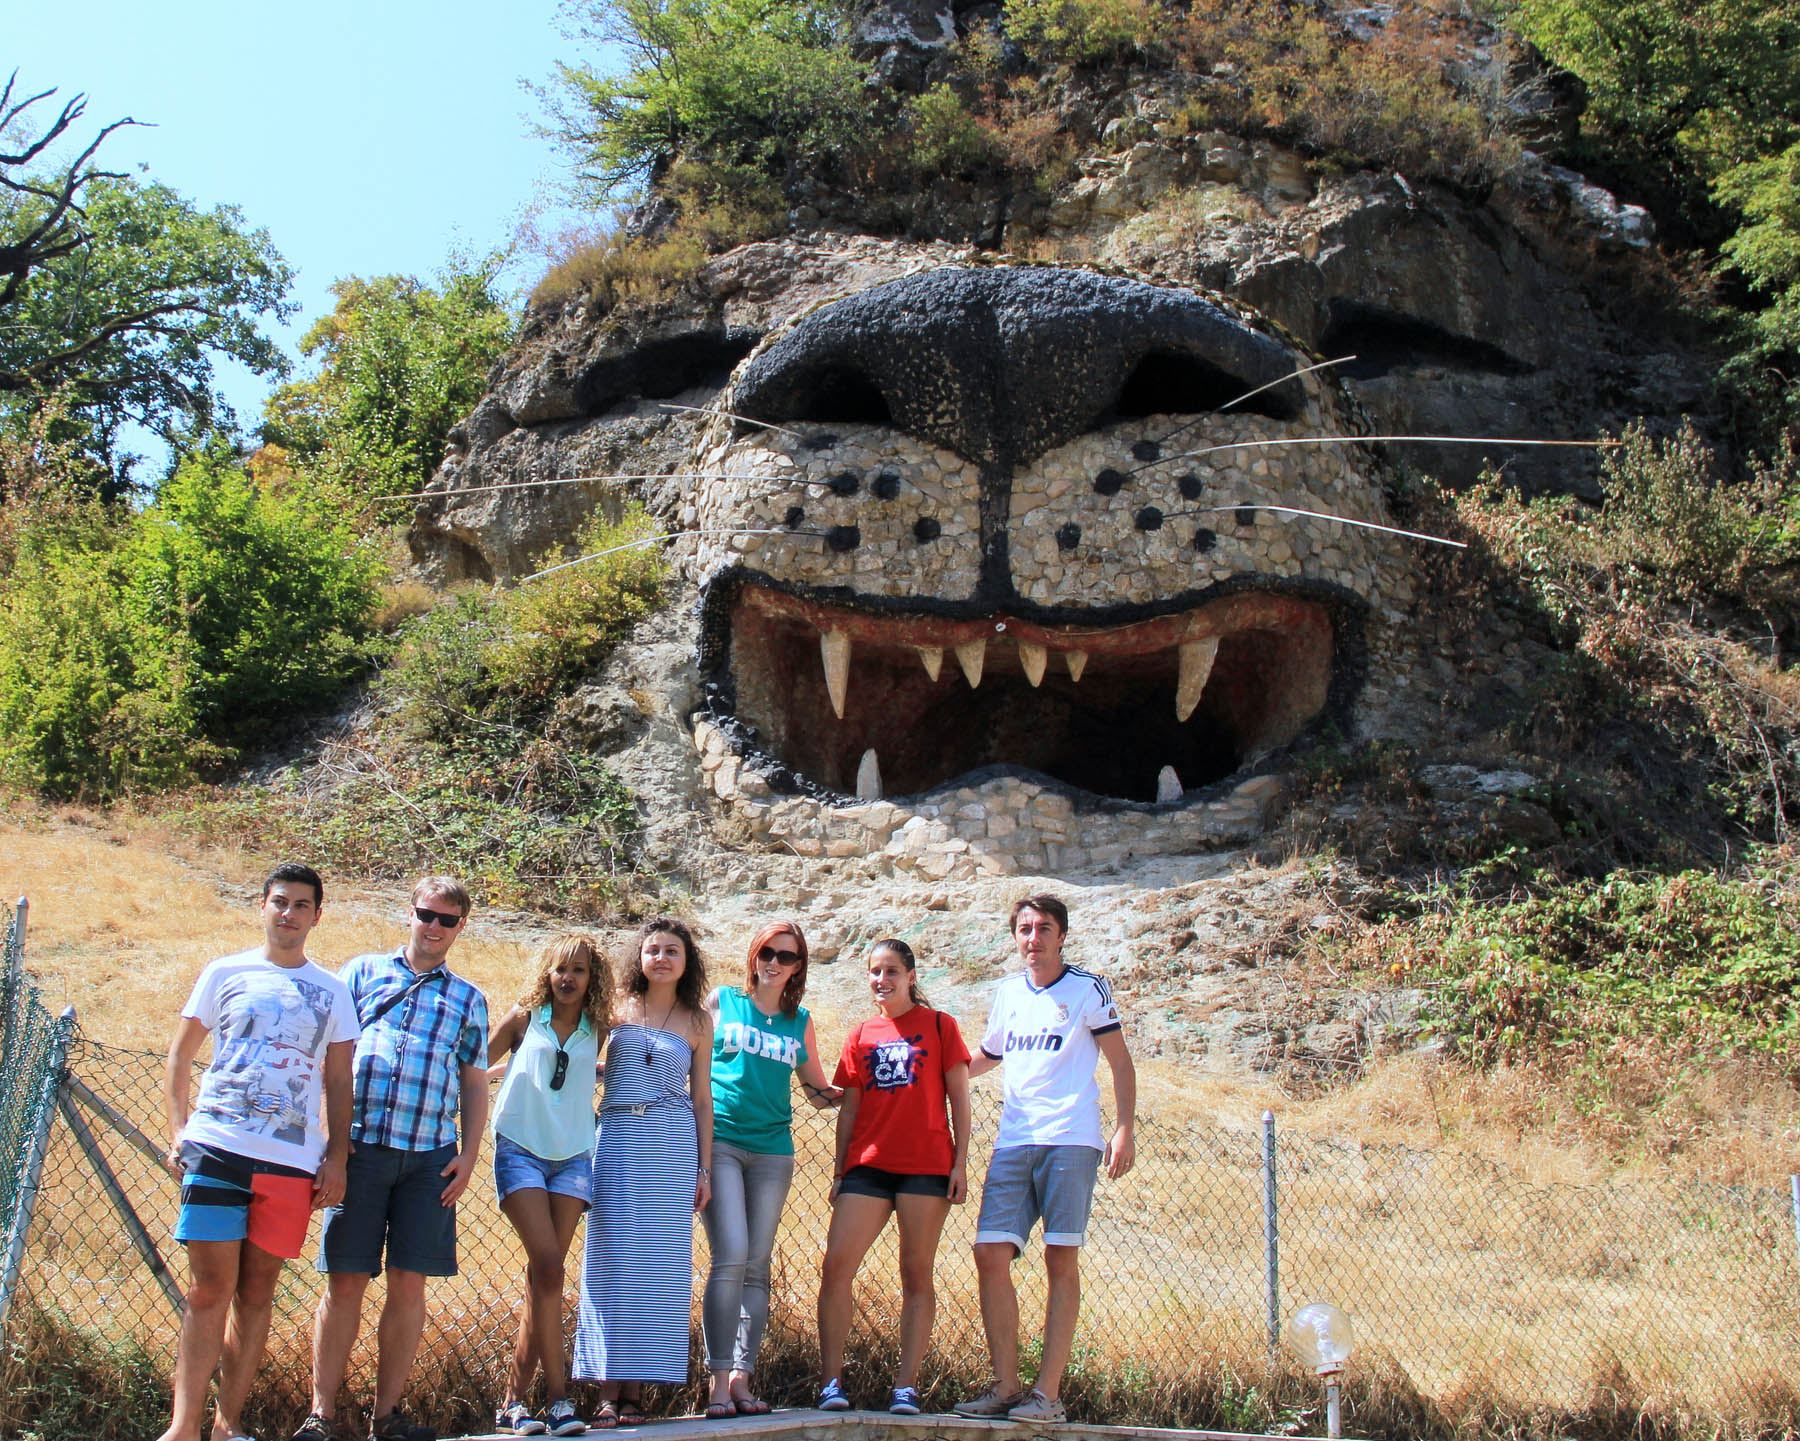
<point x="1104" y="708"/>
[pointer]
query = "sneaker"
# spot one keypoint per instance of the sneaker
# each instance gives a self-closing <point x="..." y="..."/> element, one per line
<point x="989" y="1403"/>
<point x="516" y="1417"/>
<point x="832" y="1398"/>
<point x="314" y="1428"/>
<point x="397" y="1426"/>
<point x="1038" y="1407"/>
<point x="905" y="1402"/>
<point x="563" y="1420"/>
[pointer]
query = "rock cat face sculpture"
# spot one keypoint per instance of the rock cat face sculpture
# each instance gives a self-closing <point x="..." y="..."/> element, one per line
<point x="1014" y="567"/>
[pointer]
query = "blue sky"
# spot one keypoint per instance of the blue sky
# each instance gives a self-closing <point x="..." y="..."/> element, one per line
<point x="366" y="138"/>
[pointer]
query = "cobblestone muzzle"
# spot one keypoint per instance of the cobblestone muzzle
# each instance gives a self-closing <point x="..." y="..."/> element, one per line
<point x="1047" y="555"/>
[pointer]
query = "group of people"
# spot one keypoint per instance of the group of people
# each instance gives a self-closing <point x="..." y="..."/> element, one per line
<point x="366" y="1094"/>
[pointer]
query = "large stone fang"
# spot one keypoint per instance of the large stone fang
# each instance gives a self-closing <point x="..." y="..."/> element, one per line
<point x="1032" y="658"/>
<point x="970" y="655"/>
<point x="1168" y="785"/>
<point x="933" y="658"/>
<point x="1197" y="658"/>
<point x="1077" y="660"/>
<point x="868" y="777"/>
<point x="834" y="650"/>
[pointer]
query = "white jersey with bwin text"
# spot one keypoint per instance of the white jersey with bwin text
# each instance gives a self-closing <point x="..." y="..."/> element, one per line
<point x="1045" y="1040"/>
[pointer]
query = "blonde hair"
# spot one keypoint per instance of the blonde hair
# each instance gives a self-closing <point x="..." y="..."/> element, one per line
<point x="596" y="1004"/>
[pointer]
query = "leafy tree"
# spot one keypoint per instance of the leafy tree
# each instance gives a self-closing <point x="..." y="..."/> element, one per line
<point x="130" y="321"/>
<point x="1700" y="100"/>
<point x="121" y="294"/>
<point x="399" y="363"/>
<point x="761" y="85"/>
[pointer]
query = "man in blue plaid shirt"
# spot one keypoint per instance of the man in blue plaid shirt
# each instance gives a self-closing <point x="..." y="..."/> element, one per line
<point x="421" y="1062"/>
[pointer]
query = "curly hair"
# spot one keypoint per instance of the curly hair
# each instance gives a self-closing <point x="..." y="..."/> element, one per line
<point x="689" y="988"/>
<point x="795" y="988"/>
<point x="596" y="1003"/>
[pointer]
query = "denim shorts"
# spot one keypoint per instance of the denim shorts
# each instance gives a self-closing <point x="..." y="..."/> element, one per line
<point x="1025" y="1183"/>
<point x="517" y="1169"/>
<point x="392" y="1198"/>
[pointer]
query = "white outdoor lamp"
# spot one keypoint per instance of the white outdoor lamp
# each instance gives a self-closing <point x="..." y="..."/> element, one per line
<point x="1321" y="1337"/>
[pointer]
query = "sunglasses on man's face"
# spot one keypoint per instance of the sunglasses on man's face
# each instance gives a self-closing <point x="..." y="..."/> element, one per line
<point x="449" y="920"/>
<point x="786" y="958"/>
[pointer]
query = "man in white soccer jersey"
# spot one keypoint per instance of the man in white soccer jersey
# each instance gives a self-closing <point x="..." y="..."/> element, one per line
<point x="1047" y="1026"/>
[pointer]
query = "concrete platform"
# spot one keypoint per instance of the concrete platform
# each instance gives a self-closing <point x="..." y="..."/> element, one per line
<point x="811" y="1425"/>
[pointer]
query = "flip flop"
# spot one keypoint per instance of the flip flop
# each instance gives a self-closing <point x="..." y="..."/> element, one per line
<point x="750" y="1406"/>
<point x="719" y="1410"/>
<point x="606" y="1416"/>
<point x="631" y="1413"/>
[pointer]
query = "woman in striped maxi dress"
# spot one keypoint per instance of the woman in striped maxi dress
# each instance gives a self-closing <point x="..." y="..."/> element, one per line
<point x="651" y="1173"/>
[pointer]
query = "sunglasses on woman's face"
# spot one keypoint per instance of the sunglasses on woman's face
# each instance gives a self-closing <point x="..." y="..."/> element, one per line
<point x="561" y="1071"/>
<point x="449" y="920"/>
<point x="786" y="958"/>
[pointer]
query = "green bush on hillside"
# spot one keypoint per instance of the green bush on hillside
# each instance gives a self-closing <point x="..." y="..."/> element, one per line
<point x="459" y="772"/>
<point x="1699" y="963"/>
<point x="140" y="647"/>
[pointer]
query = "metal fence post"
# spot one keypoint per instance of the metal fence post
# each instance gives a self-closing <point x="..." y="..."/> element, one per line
<point x="1271" y="1234"/>
<point x="38" y="1144"/>
<point x="1794" y="1185"/>
<point x="15" y="975"/>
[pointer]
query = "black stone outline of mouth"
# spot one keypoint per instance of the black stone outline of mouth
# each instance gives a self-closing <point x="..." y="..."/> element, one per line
<point x="1346" y="612"/>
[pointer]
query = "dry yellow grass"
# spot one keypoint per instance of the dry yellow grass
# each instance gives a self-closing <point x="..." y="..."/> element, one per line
<point x="1489" y="1300"/>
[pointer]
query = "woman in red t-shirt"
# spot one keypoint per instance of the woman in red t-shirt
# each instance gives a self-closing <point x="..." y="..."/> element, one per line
<point x="897" y="1153"/>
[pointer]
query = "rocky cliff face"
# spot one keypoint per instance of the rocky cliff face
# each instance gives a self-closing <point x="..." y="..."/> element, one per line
<point x="994" y="566"/>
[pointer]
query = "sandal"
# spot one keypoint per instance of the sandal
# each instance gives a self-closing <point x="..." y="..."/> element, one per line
<point x="606" y="1416"/>
<point x="719" y="1410"/>
<point x="750" y="1405"/>
<point x="631" y="1413"/>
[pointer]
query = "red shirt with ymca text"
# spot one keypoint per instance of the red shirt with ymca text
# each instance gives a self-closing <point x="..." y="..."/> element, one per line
<point x="902" y="1124"/>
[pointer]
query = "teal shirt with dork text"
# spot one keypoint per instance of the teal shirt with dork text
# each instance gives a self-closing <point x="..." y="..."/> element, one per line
<point x="752" y="1061"/>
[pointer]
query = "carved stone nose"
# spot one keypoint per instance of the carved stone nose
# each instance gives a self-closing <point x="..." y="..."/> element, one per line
<point x="1001" y="365"/>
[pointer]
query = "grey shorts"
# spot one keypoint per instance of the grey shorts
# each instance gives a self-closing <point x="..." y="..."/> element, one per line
<point x="1026" y="1184"/>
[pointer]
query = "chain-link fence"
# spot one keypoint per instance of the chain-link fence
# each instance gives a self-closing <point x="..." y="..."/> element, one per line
<point x="1471" y="1291"/>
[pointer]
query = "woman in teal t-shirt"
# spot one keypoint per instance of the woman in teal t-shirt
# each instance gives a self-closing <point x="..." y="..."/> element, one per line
<point x="762" y="1035"/>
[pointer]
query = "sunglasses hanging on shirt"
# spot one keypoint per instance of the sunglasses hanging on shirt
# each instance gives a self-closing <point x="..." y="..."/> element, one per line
<point x="561" y="1071"/>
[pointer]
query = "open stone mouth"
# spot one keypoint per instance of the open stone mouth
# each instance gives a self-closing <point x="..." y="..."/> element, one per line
<point x="865" y="703"/>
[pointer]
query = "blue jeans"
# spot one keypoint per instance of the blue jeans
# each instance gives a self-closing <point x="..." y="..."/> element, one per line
<point x="748" y="1192"/>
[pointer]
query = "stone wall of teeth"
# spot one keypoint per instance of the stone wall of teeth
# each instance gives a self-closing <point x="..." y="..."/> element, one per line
<point x="1104" y="520"/>
<point x="1003" y="827"/>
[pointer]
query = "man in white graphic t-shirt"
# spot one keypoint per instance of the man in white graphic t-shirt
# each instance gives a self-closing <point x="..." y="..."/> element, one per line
<point x="254" y="1159"/>
<point x="1048" y="1025"/>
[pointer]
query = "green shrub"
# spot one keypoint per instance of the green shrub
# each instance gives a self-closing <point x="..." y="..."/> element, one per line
<point x="1664" y="599"/>
<point x="458" y="772"/>
<point x="1699" y="963"/>
<point x="139" y="648"/>
<point x="503" y="657"/>
<point x="768" y="84"/>
<point x="1087" y="33"/>
<point x="947" y="138"/>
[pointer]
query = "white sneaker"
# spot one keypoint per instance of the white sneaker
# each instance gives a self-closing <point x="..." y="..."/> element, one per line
<point x="1037" y="1407"/>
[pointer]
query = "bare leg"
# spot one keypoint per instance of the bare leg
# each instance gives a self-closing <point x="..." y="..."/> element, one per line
<point x="546" y="1224"/>
<point x="1063" y="1267"/>
<point x="334" y="1333"/>
<point x="999" y="1311"/>
<point x="921" y="1221"/>
<point x="855" y="1223"/>
<point x="397" y="1338"/>
<point x="213" y="1269"/>
<point x="246" y="1334"/>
